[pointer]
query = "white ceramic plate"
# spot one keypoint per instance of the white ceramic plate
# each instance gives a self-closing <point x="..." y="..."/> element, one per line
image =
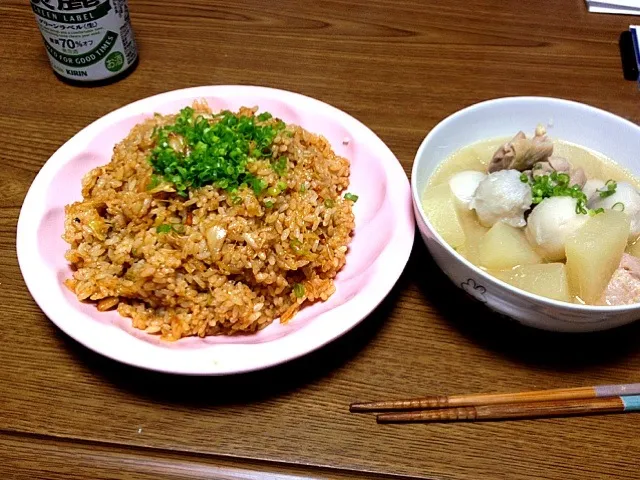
<point x="377" y="254"/>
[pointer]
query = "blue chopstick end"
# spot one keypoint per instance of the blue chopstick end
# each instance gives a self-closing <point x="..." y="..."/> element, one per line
<point x="631" y="402"/>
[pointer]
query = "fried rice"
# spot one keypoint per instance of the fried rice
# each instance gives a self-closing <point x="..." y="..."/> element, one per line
<point x="211" y="262"/>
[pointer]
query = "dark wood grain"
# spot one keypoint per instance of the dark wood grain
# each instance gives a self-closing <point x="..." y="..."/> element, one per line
<point x="74" y="460"/>
<point x="400" y="66"/>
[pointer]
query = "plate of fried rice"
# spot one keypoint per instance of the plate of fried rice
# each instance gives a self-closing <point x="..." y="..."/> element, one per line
<point x="215" y="230"/>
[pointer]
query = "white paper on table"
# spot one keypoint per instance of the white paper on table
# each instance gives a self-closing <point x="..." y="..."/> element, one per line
<point x="635" y="32"/>
<point x="620" y="7"/>
<point x="616" y="3"/>
<point x="614" y="10"/>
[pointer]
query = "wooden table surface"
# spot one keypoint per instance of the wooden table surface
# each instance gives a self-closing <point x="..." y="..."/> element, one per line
<point x="400" y="66"/>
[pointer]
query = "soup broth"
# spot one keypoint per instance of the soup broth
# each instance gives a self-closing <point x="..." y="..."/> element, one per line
<point x="506" y="250"/>
<point x="477" y="157"/>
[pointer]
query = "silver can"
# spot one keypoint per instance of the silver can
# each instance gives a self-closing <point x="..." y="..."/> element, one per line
<point x="87" y="40"/>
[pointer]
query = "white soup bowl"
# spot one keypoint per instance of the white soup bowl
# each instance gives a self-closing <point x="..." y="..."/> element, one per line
<point x="589" y="127"/>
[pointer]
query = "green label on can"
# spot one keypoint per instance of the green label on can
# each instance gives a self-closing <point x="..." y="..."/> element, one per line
<point x="88" y="58"/>
<point x="114" y="61"/>
<point x="45" y="9"/>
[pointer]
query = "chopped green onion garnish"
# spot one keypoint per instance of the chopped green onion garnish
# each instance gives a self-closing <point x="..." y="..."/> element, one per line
<point x="524" y="178"/>
<point x="215" y="151"/>
<point x="268" y="204"/>
<point x="155" y="181"/>
<point x="618" y="206"/>
<point x="557" y="185"/>
<point x="236" y="200"/>
<point x="263" y="117"/>
<point x="281" y="186"/>
<point x="164" y="228"/>
<point x="297" y="247"/>
<point x="280" y="166"/>
<point x="329" y="203"/>
<point x="257" y="185"/>
<point x="303" y="188"/>
<point x="298" y="289"/>
<point x="608" y="189"/>
<point x="351" y="196"/>
<point x="596" y="212"/>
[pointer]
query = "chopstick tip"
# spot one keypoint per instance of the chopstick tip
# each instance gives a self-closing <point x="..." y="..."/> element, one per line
<point x="384" y="418"/>
<point x="358" y="407"/>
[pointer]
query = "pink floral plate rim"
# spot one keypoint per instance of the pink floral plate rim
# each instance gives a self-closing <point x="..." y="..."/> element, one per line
<point x="377" y="255"/>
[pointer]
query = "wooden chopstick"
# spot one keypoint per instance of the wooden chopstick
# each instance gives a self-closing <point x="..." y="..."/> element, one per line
<point x="519" y="410"/>
<point x="470" y="400"/>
